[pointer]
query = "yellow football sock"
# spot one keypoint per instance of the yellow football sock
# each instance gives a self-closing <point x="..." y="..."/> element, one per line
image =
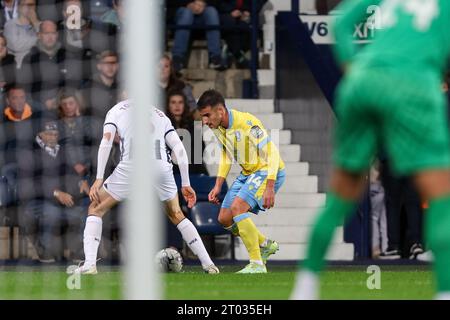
<point x="261" y="237"/>
<point x="249" y="235"/>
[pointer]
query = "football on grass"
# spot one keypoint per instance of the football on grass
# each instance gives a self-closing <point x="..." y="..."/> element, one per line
<point x="169" y="260"/>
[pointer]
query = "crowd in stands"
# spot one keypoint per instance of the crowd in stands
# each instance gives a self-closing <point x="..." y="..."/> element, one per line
<point x="60" y="74"/>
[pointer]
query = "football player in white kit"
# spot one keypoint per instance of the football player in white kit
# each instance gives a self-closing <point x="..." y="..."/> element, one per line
<point x="106" y="194"/>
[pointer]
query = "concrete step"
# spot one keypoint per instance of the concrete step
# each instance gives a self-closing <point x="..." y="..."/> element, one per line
<point x="305" y="106"/>
<point x="315" y="122"/>
<point x="315" y="153"/>
<point x="303" y="184"/>
<point x="271" y="120"/>
<point x="198" y="87"/>
<point x="286" y="217"/>
<point x="199" y="74"/>
<point x="251" y="105"/>
<point x="299" y="200"/>
<point x="337" y="251"/>
<point x="290" y="153"/>
<point x="310" y="137"/>
<point x="266" y="77"/>
<point x="267" y="92"/>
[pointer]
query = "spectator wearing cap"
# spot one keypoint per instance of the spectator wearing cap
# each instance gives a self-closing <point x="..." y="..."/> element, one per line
<point x="21" y="32"/>
<point x="51" y="195"/>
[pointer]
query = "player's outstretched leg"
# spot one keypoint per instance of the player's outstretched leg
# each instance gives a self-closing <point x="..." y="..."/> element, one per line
<point x="249" y="235"/>
<point x="435" y="185"/>
<point x="337" y="208"/>
<point x="266" y="245"/>
<point x="190" y="235"/>
<point x="93" y="232"/>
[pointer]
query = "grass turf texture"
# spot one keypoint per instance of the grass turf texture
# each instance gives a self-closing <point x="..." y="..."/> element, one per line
<point x="347" y="282"/>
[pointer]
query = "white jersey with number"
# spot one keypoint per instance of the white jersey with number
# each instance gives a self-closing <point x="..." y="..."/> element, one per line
<point x="117" y="184"/>
<point x="160" y="127"/>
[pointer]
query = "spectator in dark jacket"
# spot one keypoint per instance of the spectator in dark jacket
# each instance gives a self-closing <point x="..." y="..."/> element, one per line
<point x="44" y="66"/>
<point x="190" y="132"/>
<point x="236" y="14"/>
<point x="51" y="195"/>
<point x="102" y="92"/>
<point x="18" y="124"/>
<point x="75" y="134"/>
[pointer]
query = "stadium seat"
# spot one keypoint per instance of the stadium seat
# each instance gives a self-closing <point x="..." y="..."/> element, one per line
<point x="202" y="184"/>
<point x="3" y="192"/>
<point x="204" y="217"/>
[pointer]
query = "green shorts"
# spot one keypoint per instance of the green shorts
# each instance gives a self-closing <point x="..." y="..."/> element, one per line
<point x="404" y="116"/>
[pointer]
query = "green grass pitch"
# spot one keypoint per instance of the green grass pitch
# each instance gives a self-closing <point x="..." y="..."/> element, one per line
<point x="345" y="282"/>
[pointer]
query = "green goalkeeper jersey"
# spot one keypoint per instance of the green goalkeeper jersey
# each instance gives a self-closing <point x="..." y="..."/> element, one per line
<point x="411" y="36"/>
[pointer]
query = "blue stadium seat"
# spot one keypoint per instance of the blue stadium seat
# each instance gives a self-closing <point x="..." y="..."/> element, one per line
<point x="204" y="217"/>
<point x="202" y="184"/>
<point x="3" y="192"/>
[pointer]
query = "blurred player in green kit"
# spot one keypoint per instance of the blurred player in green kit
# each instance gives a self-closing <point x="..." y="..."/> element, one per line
<point x="390" y="96"/>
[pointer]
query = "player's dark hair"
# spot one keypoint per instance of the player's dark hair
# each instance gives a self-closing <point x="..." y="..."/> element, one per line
<point x="211" y="98"/>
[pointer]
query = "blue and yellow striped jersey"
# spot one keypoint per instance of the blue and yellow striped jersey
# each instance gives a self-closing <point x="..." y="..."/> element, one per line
<point x="247" y="141"/>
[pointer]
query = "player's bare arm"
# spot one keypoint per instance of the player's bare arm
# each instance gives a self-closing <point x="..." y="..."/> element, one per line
<point x="174" y="143"/>
<point x="213" y="195"/>
<point x="189" y="195"/>
<point x="94" y="191"/>
<point x="109" y="131"/>
<point x="269" y="194"/>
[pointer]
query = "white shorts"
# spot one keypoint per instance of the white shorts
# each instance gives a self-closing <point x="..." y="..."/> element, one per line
<point x="166" y="186"/>
<point x="118" y="184"/>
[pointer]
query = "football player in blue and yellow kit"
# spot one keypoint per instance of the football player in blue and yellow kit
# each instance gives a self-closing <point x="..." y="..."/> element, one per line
<point x="244" y="140"/>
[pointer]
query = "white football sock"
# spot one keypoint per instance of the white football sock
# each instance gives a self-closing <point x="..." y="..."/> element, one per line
<point x="91" y="239"/>
<point x="306" y="286"/>
<point x="195" y="243"/>
<point x="444" y="295"/>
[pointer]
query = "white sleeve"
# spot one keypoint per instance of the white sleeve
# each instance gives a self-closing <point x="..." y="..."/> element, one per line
<point x="109" y="131"/>
<point x="173" y="142"/>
